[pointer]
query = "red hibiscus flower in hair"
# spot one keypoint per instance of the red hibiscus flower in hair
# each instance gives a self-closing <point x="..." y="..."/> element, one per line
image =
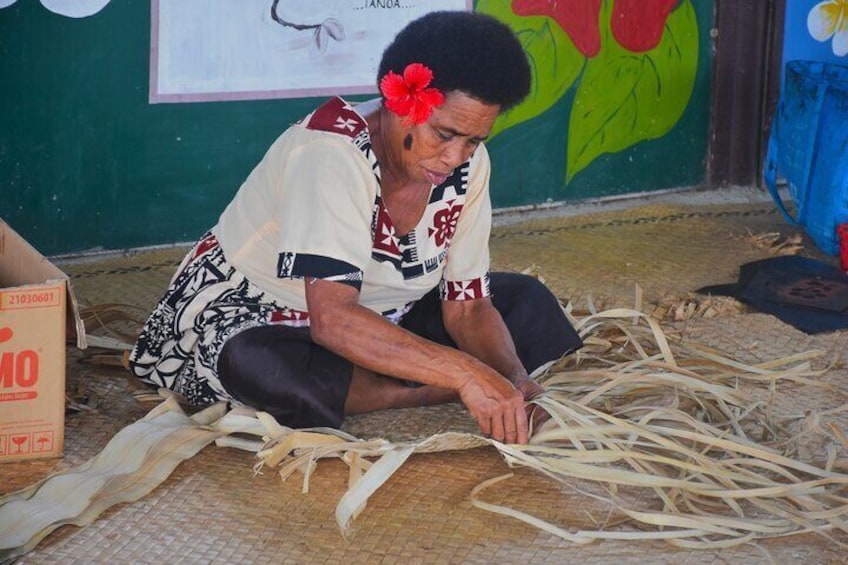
<point x="408" y="95"/>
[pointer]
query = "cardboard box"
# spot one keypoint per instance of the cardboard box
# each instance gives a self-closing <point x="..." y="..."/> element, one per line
<point x="36" y="302"/>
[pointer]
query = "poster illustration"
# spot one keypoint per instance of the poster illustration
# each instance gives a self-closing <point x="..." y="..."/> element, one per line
<point x="256" y="49"/>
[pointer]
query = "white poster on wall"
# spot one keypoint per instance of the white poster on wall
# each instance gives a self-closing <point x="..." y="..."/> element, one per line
<point x="256" y="49"/>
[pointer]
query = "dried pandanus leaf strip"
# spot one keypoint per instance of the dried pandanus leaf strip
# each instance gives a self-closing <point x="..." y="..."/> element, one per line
<point x="132" y="464"/>
<point x="635" y="411"/>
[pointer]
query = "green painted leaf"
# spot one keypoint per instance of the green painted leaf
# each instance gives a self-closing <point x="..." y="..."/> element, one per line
<point x="555" y="62"/>
<point x="624" y="97"/>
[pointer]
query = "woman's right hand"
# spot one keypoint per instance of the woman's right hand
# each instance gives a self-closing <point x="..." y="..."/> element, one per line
<point x="497" y="406"/>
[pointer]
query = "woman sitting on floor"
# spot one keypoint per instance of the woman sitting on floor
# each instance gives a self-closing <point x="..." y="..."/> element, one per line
<point x="350" y="273"/>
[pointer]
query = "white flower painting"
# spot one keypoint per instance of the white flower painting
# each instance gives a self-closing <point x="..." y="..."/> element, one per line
<point x="829" y="20"/>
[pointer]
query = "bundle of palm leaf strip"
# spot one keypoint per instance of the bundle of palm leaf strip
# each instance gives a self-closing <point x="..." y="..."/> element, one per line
<point x="133" y="463"/>
<point x="682" y="451"/>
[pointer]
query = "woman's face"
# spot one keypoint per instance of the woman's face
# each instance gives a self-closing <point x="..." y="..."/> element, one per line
<point x="432" y="150"/>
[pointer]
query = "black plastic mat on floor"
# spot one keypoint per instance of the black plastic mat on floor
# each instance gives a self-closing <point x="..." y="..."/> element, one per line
<point x="805" y="293"/>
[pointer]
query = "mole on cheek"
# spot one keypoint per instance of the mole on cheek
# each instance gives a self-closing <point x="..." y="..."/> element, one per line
<point x="407" y="142"/>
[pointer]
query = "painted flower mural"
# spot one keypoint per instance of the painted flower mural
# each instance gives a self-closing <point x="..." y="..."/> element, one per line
<point x="638" y="25"/>
<point x="631" y="65"/>
<point x="828" y="20"/>
<point x="579" y="19"/>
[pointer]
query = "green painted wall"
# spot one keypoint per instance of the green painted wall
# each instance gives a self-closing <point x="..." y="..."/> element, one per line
<point x="616" y="110"/>
<point x="87" y="163"/>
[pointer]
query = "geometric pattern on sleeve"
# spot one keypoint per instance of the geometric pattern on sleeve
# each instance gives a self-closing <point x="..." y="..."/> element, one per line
<point x="336" y="116"/>
<point x="465" y="290"/>
<point x="300" y="265"/>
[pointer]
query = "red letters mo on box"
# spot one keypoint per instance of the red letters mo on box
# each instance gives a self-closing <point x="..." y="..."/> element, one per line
<point x="36" y="303"/>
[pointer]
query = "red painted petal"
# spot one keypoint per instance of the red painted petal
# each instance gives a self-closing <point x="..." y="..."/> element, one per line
<point x="577" y="18"/>
<point x="532" y="7"/>
<point x="638" y="25"/>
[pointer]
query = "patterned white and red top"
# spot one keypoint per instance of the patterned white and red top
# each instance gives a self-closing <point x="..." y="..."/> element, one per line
<point x="313" y="208"/>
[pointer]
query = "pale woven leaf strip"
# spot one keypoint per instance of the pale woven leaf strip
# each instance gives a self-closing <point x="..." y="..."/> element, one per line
<point x="132" y="464"/>
<point x="637" y="411"/>
<point x="632" y="411"/>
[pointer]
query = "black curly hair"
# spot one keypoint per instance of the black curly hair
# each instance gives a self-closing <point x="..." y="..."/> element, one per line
<point x="467" y="51"/>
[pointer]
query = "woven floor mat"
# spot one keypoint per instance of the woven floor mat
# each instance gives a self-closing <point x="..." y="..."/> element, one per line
<point x="214" y="510"/>
<point x="668" y="250"/>
<point x="136" y="279"/>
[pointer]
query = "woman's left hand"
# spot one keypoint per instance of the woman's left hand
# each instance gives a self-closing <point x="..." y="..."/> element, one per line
<point x="477" y="327"/>
<point x="535" y="414"/>
<point x="530" y="389"/>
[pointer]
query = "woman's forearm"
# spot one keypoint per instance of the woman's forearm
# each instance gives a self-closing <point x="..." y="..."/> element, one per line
<point x="478" y="329"/>
<point x="368" y="340"/>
